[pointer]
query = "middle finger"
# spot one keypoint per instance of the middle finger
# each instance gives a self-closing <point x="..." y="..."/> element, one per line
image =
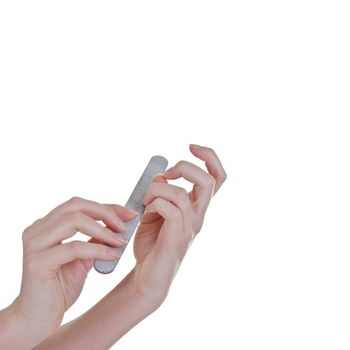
<point x="203" y="182"/>
<point x="95" y="210"/>
<point x="67" y="225"/>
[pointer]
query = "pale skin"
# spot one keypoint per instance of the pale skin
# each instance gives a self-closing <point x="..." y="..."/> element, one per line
<point x="54" y="272"/>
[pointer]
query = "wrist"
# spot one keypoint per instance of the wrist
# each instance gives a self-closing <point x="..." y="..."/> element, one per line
<point x="118" y="312"/>
<point x="152" y="283"/>
<point x="148" y="300"/>
<point x="107" y="321"/>
<point x="18" y="332"/>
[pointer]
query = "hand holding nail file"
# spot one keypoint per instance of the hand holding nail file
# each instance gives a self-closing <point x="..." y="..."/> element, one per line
<point x="156" y="165"/>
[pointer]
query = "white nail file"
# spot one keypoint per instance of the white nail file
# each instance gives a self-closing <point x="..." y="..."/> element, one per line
<point x="156" y="165"/>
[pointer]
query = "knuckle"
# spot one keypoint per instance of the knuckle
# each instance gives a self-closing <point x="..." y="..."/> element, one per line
<point x="198" y="227"/>
<point x="158" y="202"/>
<point x="181" y="163"/>
<point x="211" y="181"/>
<point x="75" y="217"/>
<point x="210" y="150"/>
<point x="110" y="211"/>
<point x="31" y="262"/>
<point x="189" y="236"/>
<point x="175" y="214"/>
<point x="37" y="222"/>
<point x="181" y="194"/>
<point x="74" y="200"/>
<point x="74" y="246"/>
<point x="224" y="176"/>
<point x="26" y="233"/>
<point x="29" y="245"/>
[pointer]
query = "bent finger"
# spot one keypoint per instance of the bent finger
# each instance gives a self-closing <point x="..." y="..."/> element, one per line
<point x="62" y="254"/>
<point x="177" y="230"/>
<point x="67" y="225"/>
<point x="203" y="183"/>
<point x="97" y="211"/>
<point x="174" y="194"/>
<point x="212" y="163"/>
<point x="124" y="213"/>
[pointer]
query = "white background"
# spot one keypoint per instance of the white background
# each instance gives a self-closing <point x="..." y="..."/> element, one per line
<point x="89" y="90"/>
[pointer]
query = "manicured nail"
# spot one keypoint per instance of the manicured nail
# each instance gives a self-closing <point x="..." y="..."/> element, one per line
<point x="132" y="211"/>
<point x="117" y="239"/>
<point x="122" y="225"/>
<point x="196" y="146"/>
<point x="159" y="178"/>
<point x="124" y="240"/>
<point x="158" y="175"/>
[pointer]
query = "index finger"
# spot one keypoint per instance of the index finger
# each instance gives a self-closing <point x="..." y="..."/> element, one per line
<point x="112" y="215"/>
<point x="212" y="163"/>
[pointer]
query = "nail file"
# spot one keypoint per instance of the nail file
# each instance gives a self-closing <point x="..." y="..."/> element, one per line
<point x="156" y="165"/>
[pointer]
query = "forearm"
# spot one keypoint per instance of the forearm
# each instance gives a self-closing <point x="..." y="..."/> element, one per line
<point x="105" y="323"/>
<point x="16" y="333"/>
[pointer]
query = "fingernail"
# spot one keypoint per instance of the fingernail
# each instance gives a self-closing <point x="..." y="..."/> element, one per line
<point x="124" y="240"/>
<point x="122" y="225"/>
<point x="160" y="178"/>
<point x="132" y="211"/>
<point x="160" y="175"/>
<point x="118" y="240"/>
<point x="196" y="146"/>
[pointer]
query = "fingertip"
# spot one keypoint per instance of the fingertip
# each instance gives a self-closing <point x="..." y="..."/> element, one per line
<point x="121" y="210"/>
<point x="129" y="215"/>
<point x="194" y="147"/>
<point x="200" y="152"/>
<point x="171" y="174"/>
<point x="126" y="210"/>
<point x="122" y="213"/>
<point x="148" y="207"/>
<point x="160" y="178"/>
<point x="131" y="212"/>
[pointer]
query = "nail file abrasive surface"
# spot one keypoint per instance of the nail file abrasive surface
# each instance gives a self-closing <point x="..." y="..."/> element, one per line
<point x="156" y="165"/>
